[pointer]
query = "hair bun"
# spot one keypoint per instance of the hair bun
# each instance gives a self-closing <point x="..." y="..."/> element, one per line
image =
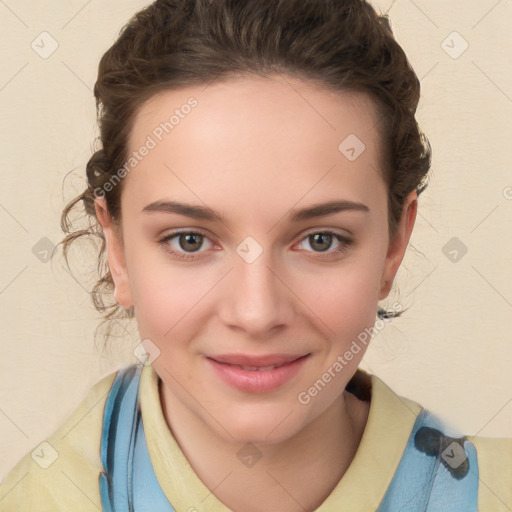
<point x="97" y="168"/>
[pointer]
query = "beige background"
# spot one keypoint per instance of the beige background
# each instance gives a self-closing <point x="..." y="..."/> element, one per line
<point x="451" y="352"/>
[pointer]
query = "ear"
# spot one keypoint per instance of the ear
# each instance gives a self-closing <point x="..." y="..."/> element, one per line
<point x="398" y="244"/>
<point x="115" y="254"/>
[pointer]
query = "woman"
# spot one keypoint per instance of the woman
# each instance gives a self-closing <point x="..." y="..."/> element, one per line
<point x="255" y="192"/>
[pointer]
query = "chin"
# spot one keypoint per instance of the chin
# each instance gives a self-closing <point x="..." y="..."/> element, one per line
<point x="260" y="427"/>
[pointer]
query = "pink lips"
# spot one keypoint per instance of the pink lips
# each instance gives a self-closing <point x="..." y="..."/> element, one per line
<point x="255" y="374"/>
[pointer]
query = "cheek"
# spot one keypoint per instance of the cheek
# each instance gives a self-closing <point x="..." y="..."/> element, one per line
<point x="341" y="300"/>
<point x="345" y="299"/>
<point x="162" y="294"/>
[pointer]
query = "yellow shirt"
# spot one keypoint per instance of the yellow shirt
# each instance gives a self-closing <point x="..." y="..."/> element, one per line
<point x="61" y="473"/>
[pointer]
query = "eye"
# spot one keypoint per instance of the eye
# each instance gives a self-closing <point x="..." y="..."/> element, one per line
<point x="185" y="244"/>
<point x="188" y="241"/>
<point x="321" y="241"/>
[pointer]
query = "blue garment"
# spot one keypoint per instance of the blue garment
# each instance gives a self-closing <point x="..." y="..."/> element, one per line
<point x="436" y="473"/>
<point x="128" y="482"/>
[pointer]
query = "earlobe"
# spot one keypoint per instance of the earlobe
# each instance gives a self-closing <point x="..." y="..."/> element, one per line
<point x="115" y="254"/>
<point x="398" y="245"/>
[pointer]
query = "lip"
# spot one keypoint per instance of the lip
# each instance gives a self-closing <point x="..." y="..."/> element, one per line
<point x="228" y="368"/>
<point x="259" y="361"/>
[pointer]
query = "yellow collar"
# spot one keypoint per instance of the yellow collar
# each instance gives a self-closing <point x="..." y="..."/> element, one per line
<point x="363" y="486"/>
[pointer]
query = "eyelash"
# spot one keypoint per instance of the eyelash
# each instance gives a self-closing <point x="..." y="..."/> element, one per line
<point x="345" y="243"/>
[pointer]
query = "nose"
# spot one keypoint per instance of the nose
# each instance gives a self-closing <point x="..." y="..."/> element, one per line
<point x="256" y="297"/>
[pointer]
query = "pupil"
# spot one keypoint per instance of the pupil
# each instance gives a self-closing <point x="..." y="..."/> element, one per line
<point x="321" y="236"/>
<point x="189" y="237"/>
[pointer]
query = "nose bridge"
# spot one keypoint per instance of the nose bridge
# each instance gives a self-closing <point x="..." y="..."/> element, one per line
<point x="257" y="298"/>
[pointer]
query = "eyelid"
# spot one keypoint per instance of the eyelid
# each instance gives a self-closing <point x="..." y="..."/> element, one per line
<point x="343" y="233"/>
<point x="344" y="241"/>
<point x="187" y="231"/>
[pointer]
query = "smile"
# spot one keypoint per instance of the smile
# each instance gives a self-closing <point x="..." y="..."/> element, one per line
<point x="257" y="378"/>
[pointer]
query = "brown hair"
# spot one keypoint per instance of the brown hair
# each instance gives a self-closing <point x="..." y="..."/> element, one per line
<point x="341" y="45"/>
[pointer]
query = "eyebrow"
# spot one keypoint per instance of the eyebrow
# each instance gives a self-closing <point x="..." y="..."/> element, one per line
<point x="297" y="215"/>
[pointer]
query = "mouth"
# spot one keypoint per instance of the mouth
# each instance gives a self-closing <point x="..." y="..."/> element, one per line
<point x="257" y="363"/>
<point x="257" y="374"/>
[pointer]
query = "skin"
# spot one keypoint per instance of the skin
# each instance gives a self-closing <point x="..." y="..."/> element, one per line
<point x="254" y="149"/>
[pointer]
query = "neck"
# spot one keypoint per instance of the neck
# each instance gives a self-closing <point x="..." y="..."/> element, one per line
<point x="295" y="475"/>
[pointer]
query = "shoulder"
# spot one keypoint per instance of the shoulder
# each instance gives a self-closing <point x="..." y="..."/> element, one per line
<point x="466" y="472"/>
<point x="439" y="464"/>
<point x="481" y="466"/>
<point x="495" y="472"/>
<point x="61" y="472"/>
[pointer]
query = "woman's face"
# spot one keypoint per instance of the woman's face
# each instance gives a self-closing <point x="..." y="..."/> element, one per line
<point x="256" y="270"/>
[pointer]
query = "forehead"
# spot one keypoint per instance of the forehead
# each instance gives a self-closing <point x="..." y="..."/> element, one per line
<point x="255" y="104"/>
<point x="255" y="134"/>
